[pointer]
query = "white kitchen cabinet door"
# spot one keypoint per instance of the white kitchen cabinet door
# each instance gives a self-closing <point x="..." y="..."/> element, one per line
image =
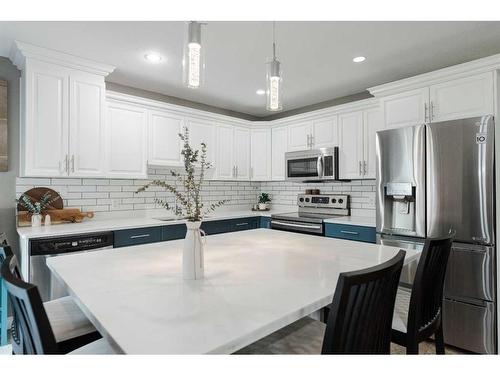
<point x="325" y="132"/>
<point x="201" y="131"/>
<point x="299" y="135"/>
<point x="87" y="126"/>
<point x="126" y="140"/>
<point x="462" y="98"/>
<point x="164" y="142"/>
<point x="406" y="109"/>
<point x="279" y="148"/>
<point x="351" y="145"/>
<point x="45" y="146"/>
<point x="225" y="168"/>
<point x="260" y="153"/>
<point x="373" y="122"/>
<point x="242" y="153"/>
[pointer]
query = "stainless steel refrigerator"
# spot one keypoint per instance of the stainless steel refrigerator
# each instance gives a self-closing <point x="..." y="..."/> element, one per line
<point x="432" y="178"/>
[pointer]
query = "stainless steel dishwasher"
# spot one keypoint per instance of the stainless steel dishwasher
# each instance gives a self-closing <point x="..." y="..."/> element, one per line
<point x="40" y="275"/>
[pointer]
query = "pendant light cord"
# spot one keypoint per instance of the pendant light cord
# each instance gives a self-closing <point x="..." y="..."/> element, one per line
<point x="274" y="40"/>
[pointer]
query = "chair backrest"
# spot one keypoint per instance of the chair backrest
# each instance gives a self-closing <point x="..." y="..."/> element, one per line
<point x="29" y="314"/>
<point x="5" y="252"/>
<point x="360" y="319"/>
<point x="425" y="309"/>
<point x="3" y="239"/>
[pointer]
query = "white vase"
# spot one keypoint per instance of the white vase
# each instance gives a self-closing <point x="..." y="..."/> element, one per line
<point x="192" y="256"/>
<point x="262" y="206"/>
<point x="36" y="220"/>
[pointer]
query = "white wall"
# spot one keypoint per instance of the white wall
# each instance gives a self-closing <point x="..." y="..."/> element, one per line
<point x="10" y="73"/>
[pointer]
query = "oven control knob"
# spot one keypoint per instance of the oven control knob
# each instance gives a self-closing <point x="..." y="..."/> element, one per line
<point x="341" y="201"/>
<point x="334" y="200"/>
<point x="307" y="199"/>
<point x="301" y="199"/>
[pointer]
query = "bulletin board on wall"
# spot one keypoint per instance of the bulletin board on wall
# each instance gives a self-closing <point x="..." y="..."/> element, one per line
<point x="3" y="127"/>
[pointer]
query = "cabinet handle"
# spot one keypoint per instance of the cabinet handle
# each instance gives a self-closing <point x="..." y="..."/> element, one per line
<point x="66" y="163"/>
<point x="365" y="169"/>
<point x="425" y="112"/>
<point x="241" y="224"/>
<point x="349" y="232"/>
<point x="139" y="236"/>
<point x="360" y="169"/>
<point x="72" y="163"/>
<point x="431" y="115"/>
<point x="312" y="141"/>
<point x="236" y="171"/>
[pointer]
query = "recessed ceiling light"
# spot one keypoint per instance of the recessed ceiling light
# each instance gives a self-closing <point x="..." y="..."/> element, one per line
<point x="359" y="59"/>
<point x="260" y="92"/>
<point x="152" y="57"/>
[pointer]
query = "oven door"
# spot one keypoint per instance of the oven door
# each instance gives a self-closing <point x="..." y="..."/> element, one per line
<point x="297" y="226"/>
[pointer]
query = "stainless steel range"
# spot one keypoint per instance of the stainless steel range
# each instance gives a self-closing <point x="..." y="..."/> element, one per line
<point x="313" y="210"/>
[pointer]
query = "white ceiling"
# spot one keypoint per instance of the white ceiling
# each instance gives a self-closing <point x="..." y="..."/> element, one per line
<point x="316" y="56"/>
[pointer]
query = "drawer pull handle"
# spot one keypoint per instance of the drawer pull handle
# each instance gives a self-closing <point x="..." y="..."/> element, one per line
<point x="240" y="224"/>
<point x="139" y="236"/>
<point x="349" y="232"/>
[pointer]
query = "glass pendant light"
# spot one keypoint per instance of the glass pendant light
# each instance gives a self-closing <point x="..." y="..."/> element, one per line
<point x="274" y="80"/>
<point x="194" y="57"/>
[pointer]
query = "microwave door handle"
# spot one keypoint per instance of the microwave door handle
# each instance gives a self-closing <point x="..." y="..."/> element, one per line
<point x="319" y="166"/>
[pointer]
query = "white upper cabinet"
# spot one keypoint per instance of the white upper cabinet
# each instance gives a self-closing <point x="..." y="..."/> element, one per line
<point x="225" y="167"/>
<point x="324" y="132"/>
<point x="242" y="153"/>
<point x="373" y="121"/>
<point x="299" y="136"/>
<point x="462" y="98"/>
<point x="260" y="151"/>
<point x="63" y="123"/>
<point x="279" y="137"/>
<point x="351" y="145"/>
<point x="406" y="109"/>
<point x="126" y="140"/>
<point x="202" y="131"/>
<point x="45" y="139"/>
<point x="164" y="141"/>
<point x="87" y="128"/>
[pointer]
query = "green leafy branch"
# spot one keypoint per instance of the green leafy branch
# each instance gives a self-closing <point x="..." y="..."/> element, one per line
<point x="35" y="208"/>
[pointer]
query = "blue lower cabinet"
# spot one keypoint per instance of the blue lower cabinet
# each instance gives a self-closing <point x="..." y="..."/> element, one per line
<point x="173" y="232"/>
<point x="216" y="226"/>
<point x="245" y="223"/>
<point x="350" y="232"/>
<point x="137" y="236"/>
<point x="265" y="222"/>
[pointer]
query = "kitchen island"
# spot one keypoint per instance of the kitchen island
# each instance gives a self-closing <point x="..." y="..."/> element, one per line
<point x="256" y="282"/>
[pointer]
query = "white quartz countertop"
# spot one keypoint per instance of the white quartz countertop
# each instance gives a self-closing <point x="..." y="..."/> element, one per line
<point x="117" y="223"/>
<point x="365" y="221"/>
<point x="256" y="282"/>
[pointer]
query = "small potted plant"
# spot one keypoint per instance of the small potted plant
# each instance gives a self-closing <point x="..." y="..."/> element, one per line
<point x="35" y="208"/>
<point x="264" y="201"/>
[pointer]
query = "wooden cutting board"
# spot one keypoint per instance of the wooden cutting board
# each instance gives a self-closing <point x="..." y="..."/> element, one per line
<point x="66" y="215"/>
<point x="37" y="193"/>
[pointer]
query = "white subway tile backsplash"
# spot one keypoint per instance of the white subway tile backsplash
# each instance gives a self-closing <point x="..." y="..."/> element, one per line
<point x="66" y="181"/>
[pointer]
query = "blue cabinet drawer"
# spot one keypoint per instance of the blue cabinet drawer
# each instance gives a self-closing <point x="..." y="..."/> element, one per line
<point x="138" y="236"/>
<point x="245" y="223"/>
<point x="216" y="226"/>
<point x="350" y="232"/>
<point x="265" y="222"/>
<point x="173" y="232"/>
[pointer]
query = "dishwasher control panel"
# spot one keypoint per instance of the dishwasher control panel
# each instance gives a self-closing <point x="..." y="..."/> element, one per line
<point x="69" y="244"/>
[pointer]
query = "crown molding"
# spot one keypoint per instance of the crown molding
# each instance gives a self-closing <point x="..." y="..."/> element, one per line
<point x="22" y="51"/>
<point x="478" y="66"/>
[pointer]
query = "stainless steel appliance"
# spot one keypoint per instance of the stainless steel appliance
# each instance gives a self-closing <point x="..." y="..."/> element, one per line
<point x="312" y="165"/>
<point x="436" y="177"/>
<point x="40" y="275"/>
<point x="313" y="209"/>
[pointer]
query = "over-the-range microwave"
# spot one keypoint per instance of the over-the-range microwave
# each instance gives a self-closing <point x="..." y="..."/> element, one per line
<point x="312" y="165"/>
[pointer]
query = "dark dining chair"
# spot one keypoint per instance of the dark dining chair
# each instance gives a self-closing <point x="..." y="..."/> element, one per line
<point x="418" y="313"/>
<point x="70" y="326"/>
<point x="31" y="320"/>
<point x="359" y="321"/>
